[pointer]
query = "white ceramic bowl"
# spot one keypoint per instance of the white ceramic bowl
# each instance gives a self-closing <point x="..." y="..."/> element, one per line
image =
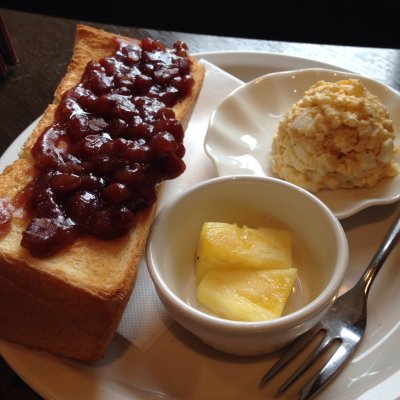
<point x="320" y="252"/>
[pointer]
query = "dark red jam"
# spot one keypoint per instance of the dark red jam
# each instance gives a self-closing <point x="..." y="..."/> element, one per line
<point x="115" y="138"/>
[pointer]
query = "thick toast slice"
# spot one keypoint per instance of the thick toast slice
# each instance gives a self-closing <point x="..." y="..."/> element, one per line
<point x="71" y="303"/>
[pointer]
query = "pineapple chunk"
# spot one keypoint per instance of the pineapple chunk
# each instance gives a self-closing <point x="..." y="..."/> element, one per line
<point x="246" y="294"/>
<point x="228" y="246"/>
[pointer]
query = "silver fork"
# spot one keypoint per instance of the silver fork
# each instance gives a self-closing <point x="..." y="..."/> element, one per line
<point x="345" y="323"/>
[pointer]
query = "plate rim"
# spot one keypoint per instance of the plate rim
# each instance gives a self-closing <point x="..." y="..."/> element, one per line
<point x="262" y="54"/>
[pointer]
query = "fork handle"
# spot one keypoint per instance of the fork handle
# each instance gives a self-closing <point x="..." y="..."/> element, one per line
<point x="380" y="256"/>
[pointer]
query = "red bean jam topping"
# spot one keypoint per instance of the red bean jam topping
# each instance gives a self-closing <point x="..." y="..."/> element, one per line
<point x="114" y="139"/>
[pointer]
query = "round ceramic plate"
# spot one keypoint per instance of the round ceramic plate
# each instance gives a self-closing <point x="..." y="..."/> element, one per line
<point x="241" y="129"/>
<point x="178" y="366"/>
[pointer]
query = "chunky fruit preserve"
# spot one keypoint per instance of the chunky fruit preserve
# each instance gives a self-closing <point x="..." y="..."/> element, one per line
<point x="114" y="139"/>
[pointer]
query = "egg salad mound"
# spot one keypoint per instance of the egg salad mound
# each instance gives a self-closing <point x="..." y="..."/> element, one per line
<point x="338" y="135"/>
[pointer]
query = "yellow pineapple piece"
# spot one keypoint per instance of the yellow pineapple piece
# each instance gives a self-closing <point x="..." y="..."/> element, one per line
<point x="228" y="246"/>
<point x="246" y="294"/>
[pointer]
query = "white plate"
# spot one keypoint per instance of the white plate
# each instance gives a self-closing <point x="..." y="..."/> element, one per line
<point x="240" y="133"/>
<point x="178" y="366"/>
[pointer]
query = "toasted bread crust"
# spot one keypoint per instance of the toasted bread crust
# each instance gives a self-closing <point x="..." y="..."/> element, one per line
<point x="71" y="303"/>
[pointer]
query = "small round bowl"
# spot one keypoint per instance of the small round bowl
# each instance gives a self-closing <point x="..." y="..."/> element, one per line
<point x="320" y="252"/>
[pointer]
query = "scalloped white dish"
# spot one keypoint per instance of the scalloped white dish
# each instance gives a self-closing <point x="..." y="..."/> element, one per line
<point x="240" y="132"/>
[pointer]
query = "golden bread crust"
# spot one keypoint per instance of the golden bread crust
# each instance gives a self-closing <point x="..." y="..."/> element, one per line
<point x="71" y="303"/>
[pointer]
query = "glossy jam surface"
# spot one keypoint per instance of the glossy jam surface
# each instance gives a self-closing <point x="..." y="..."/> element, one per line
<point x="115" y="138"/>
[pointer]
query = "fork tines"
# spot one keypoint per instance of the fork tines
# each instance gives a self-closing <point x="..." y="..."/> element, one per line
<point x="323" y="343"/>
<point x="7" y="52"/>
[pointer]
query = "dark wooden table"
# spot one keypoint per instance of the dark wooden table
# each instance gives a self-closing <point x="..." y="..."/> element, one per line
<point x="44" y="46"/>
